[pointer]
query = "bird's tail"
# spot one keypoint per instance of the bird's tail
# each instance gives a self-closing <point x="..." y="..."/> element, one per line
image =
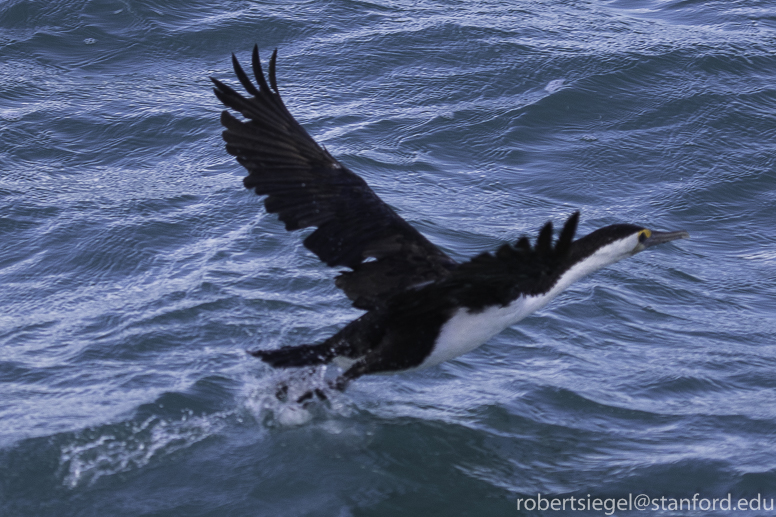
<point x="293" y="356"/>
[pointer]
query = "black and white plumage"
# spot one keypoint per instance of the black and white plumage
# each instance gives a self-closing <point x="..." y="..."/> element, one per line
<point x="422" y="307"/>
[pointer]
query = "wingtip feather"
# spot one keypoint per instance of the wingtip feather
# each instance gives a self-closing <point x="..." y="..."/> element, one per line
<point x="243" y="77"/>
<point x="257" y="71"/>
<point x="566" y="237"/>
<point x="544" y="241"/>
<point x="272" y="62"/>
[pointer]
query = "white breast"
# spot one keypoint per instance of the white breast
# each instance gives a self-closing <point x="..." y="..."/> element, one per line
<point x="465" y="331"/>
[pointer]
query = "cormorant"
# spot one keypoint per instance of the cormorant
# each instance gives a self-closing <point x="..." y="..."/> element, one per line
<point x="422" y="307"/>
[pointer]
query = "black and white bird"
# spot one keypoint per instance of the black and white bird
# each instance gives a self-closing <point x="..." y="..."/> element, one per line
<point x="422" y="307"/>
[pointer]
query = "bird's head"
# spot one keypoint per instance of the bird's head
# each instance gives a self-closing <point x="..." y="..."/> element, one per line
<point x="613" y="243"/>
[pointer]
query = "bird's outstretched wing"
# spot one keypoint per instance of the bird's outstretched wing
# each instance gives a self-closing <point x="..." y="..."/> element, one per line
<point x="307" y="187"/>
<point x="498" y="278"/>
<point x="518" y="269"/>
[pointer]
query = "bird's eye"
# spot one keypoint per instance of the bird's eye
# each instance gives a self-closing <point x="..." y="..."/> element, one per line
<point x="644" y="235"/>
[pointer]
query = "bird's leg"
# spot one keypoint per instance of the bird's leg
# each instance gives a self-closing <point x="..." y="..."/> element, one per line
<point x="371" y="363"/>
<point x="339" y="384"/>
<point x="281" y="392"/>
<point x="308" y="395"/>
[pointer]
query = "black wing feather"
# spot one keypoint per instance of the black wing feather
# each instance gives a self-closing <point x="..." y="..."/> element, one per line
<point x="494" y="278"/>
<point x="513" y="270"/>
<point x="307" y="187"/>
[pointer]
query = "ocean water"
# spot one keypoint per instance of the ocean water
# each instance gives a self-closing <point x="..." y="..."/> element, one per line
<point x="135" y="269"/>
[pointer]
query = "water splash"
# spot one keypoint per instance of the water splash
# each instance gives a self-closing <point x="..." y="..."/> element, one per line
<point x="110" y="450"/>
<point x="273" y="399"/>
<point x="554" y="85"/>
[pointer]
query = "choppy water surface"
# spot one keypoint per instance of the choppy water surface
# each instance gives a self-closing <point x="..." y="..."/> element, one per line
<point x="135" y="269"/>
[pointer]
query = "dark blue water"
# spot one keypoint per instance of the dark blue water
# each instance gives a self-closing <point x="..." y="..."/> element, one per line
<point x="135" y="269"/>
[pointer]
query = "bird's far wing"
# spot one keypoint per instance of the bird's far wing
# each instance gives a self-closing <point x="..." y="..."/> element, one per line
<point x="513" y="270"/>
<point x="307" y="187"/>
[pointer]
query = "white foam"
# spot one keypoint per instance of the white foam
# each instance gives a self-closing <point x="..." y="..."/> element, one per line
<point x="554" y="85"/>
<point x="131" y="445"/>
